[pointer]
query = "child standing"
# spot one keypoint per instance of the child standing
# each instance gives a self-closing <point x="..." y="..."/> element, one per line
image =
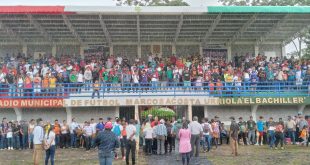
<point x="304" y="135"/>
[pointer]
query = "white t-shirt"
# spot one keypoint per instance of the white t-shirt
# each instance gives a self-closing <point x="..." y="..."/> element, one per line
<point x="93" y="126"/>
<point x="130" y="129"/>
<point x="49" y="137"/>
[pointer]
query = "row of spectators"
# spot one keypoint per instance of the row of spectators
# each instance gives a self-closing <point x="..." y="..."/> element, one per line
<point x="44" y="74"/>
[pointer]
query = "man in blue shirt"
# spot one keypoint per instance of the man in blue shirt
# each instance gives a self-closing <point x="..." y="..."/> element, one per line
<point x="100" y="125"/>
<point x="107" y="143"/>
<point x="260" y="131"/>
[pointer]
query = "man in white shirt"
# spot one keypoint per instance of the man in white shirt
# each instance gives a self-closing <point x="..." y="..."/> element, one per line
<point x="131" y="142"/>
<point x="93" y="126"/>
<point x="73" y="127"/>
<point x="88" y="132"/>
<point x="38" y="136"/>
<point x="207" y="132"/>
<point x="196" y="131"/>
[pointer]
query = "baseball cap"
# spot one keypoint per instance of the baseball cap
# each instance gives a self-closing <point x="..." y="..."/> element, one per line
<point x="108" y="125"/>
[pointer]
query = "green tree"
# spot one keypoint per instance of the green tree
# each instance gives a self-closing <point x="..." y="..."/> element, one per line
<point x="265" y="2"/>
<point x="151" y="2"/>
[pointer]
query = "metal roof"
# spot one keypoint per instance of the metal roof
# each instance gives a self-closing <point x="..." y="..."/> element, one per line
<point x="83" y="25"/>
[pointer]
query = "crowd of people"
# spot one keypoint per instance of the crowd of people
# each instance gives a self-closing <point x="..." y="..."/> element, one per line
<point x="51" y="76"/>
<point x="155" y="136"/>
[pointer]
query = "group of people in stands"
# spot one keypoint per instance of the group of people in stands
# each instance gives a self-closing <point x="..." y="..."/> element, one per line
<point x="51" y="76"/>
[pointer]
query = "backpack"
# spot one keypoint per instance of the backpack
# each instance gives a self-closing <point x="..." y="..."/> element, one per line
<point x="206" y="128"/>
<point x="117" y="130"/>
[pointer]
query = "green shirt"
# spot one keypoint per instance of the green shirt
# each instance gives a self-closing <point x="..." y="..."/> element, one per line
<point x="73" y="78"/>
<point x="169" y="74"/>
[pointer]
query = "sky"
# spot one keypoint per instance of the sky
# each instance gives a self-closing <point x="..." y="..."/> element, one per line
<point x="289" y="48"/>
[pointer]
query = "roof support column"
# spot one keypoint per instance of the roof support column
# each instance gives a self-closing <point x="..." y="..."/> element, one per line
<point x="283" y="50"/>
<point x="69" y="114"/>
<point x="256" y="49"/>
<point x="139" y="51"/>
<point x="19" y="113"/>
<point x="190" y="112"/>
<point x="200" y="50"/>
<point x="25" y="50"/>
<point x="54" y="51"/>
<point x="229" y="52"/>
<point x="82" y="48"/>
<point x="253" y="111"/>
<point x="206" y="111"/>
<point x="111" y="49"/>
<point x="136" y="112"/>
<point x="174" y="50"/>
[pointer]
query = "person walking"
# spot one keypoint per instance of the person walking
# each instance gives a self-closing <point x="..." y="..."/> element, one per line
<point x="207" y="134"/>
<point x="50" y="145"/>
<point x="233" y="133"/>
<point x="161" y="135"/>
<point x="38" y="136"/>
<point x="175" y="132"/>
<point x="185" y="146"/>
<point x="196" y="131"/>
<point x="131" y="142"/>
<point x="107" y="143"/>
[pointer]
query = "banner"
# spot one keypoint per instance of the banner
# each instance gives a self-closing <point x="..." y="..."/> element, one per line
<point x="31" y="103"/>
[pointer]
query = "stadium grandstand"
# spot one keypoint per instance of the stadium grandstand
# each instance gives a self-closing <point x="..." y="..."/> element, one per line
<point x="60" y="62"/>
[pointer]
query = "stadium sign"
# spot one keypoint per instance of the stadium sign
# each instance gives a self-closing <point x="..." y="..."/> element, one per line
<point x="159" y="100"/>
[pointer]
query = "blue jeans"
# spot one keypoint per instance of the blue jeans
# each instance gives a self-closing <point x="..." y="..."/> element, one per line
<point x="3" y="143"/>
<point x="24" y="141"/>
<point x="57" y="140"/>
<point x="154" y="86"/>
<point x="207" y="142"/>
<point x="271" y="138"/>
<point x="291" y="134"/>
<point x="73" y="139"/>
<point x="10" y="142"/>
<point x="31" y="140"/>
<point x="50" y="153"/>
<point x="88" y="84"/>
<point x="16" y="141"/>
<point x="105" y="159"/>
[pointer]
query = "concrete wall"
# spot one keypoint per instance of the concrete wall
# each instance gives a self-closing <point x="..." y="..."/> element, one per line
<point x="242" y="50"/>
<point x="8" y="113"/>
<point x="82" y="114"/>
<point x="271" y="48"/>
<point x="68" y="50"/>
<point x="186" y="50"/>
<point x="225" y="112"/>
<point x="41" y="48"/>
<point x="307" y="110"/>
<point x="45" y="113"/>
<point x="276" y="111"/>
<point x="131" y="51"/>
<point x="10" y="49"/>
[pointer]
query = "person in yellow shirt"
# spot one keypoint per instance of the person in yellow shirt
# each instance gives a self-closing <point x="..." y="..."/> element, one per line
<point x="304" y="135"/>
<point x="52" y="85"/>
<point x="96" y="88"/>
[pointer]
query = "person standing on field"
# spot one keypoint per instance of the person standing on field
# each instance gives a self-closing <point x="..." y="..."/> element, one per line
<point x="233" y="133"/>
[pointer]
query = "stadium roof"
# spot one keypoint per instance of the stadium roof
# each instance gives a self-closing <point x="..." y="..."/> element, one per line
<point x="83" y="25"/>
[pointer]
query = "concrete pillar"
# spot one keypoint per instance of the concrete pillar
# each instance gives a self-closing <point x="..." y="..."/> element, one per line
<point x="174" y="49"/>
<point x="301" y="109"/>
<point x="19" y="114"/>
<point x="200" y="49"/>
<point x="161" y="51"/>
<point x="54" y="51"/>
<point x="283" y="51"/>
<point x="152" y="46"/>
<point x="190" y="112"/>
<point x="69" y="114"/>
<point x="206" y="111"/>
<point x="116" y="113"/>
<point x="136" y="112"/>
<point x="253" y="111"/>
<point x="111" y="49"/>
<point x="256" y="49"/>
<point x="25" y="50"/>
<point x="229" y="57"/>
<point x="139" y="51"/>
<point x="82" y="48"/>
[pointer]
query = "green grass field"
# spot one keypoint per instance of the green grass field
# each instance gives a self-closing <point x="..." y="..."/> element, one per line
<point x="249" y="155"/>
